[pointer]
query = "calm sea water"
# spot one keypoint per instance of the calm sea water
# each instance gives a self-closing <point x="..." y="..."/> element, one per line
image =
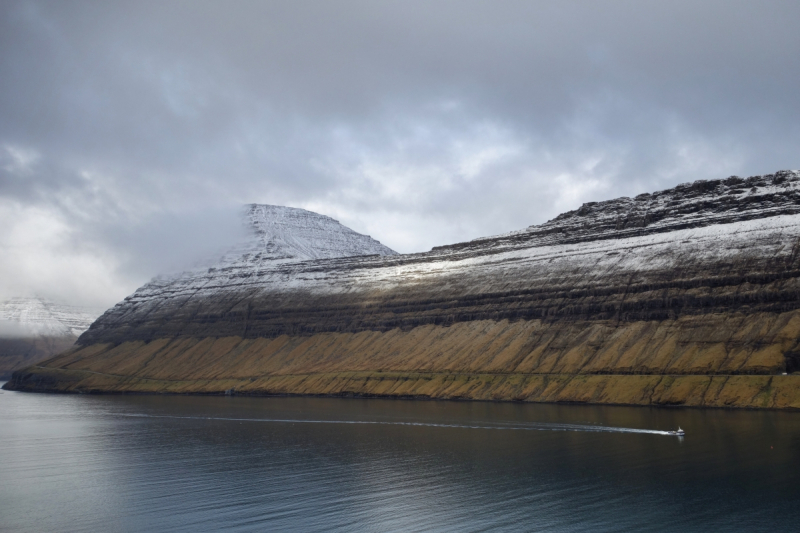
<point x="150" y="463"/>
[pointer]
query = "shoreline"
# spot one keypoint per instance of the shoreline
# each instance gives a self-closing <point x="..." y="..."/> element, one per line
<point x="758" y="392"/>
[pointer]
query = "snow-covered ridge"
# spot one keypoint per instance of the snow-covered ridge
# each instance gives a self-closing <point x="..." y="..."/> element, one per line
<point x="37" y="316"/>
<point x="283" y="236"/>
<point x="697" y="204"/>
<point x="293" y="248"/>
<point x="552" y="264"/>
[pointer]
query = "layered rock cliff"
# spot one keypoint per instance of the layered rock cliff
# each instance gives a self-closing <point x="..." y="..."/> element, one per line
<point x="34" y="329"/>
<point x="683" y="296"/>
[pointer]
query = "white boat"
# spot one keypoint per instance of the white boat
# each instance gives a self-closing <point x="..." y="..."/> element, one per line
<point x="679" y="432"/>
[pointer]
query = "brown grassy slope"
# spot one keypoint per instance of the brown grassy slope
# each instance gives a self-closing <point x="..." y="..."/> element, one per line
<point x="685" y="361"/>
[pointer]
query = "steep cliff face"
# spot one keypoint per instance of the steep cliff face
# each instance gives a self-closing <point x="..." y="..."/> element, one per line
<point x="33" y="329"/>
<point x="699" y="280"/>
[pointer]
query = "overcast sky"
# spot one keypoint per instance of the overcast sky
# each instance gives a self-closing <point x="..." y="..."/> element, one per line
<point x="130" y="132"/>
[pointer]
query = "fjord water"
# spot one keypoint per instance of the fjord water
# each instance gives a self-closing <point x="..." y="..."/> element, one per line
<point x="173" y="463"/>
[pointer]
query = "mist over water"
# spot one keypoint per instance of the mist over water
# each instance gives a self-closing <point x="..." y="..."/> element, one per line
<point x="136" y="463"/>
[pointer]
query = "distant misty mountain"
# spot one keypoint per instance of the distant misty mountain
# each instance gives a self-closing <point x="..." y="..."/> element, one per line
<point x="33" y="329"/>
<point x="39" y="316"/>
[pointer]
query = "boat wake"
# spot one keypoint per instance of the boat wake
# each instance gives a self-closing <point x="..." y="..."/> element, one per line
<point x="533" y="426"/>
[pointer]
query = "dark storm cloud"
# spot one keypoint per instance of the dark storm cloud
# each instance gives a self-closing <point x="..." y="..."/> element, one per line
<point x="131" y="132"/>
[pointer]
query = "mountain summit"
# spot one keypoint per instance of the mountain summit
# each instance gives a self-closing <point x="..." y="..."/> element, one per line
<point x="296" y="234"/>
<point x="277" y="235"/>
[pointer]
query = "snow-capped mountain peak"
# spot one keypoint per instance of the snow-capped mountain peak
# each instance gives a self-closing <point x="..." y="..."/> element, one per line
<point x="282" y="234"/>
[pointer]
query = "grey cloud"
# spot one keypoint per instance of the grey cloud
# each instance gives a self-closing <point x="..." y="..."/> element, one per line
<point x="140" y="127"/>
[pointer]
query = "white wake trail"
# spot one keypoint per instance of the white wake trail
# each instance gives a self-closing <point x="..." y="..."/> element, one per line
<point x="534" y="426"/>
